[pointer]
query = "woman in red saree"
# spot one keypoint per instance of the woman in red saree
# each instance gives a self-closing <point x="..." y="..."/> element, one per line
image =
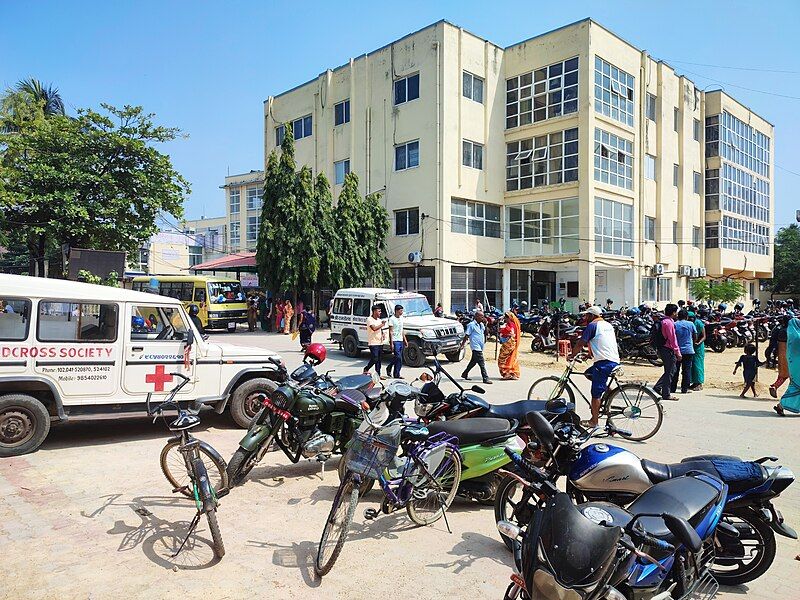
<point x="508" y="361"/>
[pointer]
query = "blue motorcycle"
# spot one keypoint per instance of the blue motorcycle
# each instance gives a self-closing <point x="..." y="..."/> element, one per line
<point x="744" y="543"/>
<point x="659" y="548"/>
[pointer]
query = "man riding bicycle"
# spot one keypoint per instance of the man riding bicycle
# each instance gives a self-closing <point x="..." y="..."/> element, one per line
<point x="599" y="335"/>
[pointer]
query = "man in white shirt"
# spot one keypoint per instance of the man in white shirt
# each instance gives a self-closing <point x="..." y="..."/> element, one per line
<point x="375" y="338"/>
<point x="397" y="341"/>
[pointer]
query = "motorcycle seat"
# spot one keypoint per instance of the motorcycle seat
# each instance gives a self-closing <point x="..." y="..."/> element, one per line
<point x="517" y="410"/>
<point x="349" y="401"/>
<point x="359" y="382"/>
<point x="473" y="431"/>
<point x="685" y="497"/>
<point x="739" y="475"/>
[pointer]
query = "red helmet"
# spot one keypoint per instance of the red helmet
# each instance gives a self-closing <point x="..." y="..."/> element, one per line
<point x="315" y="354"/>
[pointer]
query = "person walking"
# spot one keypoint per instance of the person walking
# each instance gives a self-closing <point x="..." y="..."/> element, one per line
<point x="779" y="335"/>
<point x="278" y="311"/>
<point x="685" y="335"/>
<point x="749" y="363"/>
<point x="397" y="341"/>
<point x="264" y="311"/>
<point x="791" y="399"/>
<point x="476" y="334"/>
<point x="478" y="305"/>
<point x="376" y="335"/>
<point x="438" y="311"/>
<point x="600" y="337"/>
<point x="699" y="362"/>
<point x="288" y="313"/>
<point x="508" y="360"/>
<point x="306" y="324"/>
<point x="252" y="312"/>
<point x="667" y="346"/>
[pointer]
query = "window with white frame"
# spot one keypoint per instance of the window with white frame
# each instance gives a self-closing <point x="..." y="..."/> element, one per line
<point x="471" y="154"/>
<point x="676" y="174"/>
<point x="613" y="91"/>
<point x="280" y="133"/>
<point x="650" y="107"/>
<point x="656" y="289"/>
<point x="341" y="112"/>
<point x="650" y="229"/>
<point x="406" y="89"/>
<point x="195" y="255"/>
<point x="253" y="224"/>
<point x="676" y="119"/>
<point x="340" y="169"/>
<point x="613" y="227"/>
<point x="474" y="218"/>
<point x="735" y="140"/>
<point x="235" y="238"/>
<point x="664" y="289"/>
<point x="697" y="183"/>
<point x="697" y="130"/>
<point x="468" y="284"/>
<point x="472" y="87"/>
<point x="544" y="160"/>
<point x="542" y="94"/>
<point x="712" y="235"/>
<point x="234" y="198"/>
<point x="649" y="167"/>
<point x="542" y="228"/>
<point x="737" y="191"/>
<point x="648" y="292"/>
<point x="738" y="234"/>
<point x="406" y="221"/>
<point x="254" y="198"/>
<point x="302" y="127"/>
<point x="613" y="159"/>
<point x="406" y="155"/>
<point x="696" y="237"/>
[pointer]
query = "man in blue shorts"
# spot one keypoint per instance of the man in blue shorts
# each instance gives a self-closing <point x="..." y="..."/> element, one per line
<point x="599" y="335"/>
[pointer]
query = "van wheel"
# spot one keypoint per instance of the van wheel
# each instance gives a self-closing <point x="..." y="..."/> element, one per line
<point x="413" y="355"/>
<point x="24" y="424"/>
<point x="350" y="346"/>
<point x="245" y="404"/>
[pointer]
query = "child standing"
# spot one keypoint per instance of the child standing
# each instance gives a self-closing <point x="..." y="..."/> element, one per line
<point x="749" y="363"/>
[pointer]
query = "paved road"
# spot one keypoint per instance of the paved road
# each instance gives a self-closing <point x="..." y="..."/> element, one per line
<point x="90" y="516"/>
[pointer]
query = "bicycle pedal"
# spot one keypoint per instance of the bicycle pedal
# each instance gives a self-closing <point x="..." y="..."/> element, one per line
<point x="371" y="514"/>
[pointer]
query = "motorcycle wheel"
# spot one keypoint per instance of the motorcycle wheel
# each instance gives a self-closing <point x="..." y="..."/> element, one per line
<point x="762" y="333"/>
<point x="240" y="465"/>
<point x="717" y="345"/>
<point x="748" y="557"/>
<point x="537" y="344"/>
<point x="512" y="504"/>
<point x="651" y="355"/>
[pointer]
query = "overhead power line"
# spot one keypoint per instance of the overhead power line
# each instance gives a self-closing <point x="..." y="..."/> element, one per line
<point x="758" y="69"/>
<point x="742" y="87"/>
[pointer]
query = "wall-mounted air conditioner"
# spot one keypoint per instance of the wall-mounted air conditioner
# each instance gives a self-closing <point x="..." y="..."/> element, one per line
<point x="657" y="269"/>
<point x="685" y="271"/>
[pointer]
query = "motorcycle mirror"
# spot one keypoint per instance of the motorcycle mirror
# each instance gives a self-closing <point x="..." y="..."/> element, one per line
<point x="426" y="377"/>
<point x="478" y="389"/>
<point x="542" y="429"/>
<point x="683" y="532"/>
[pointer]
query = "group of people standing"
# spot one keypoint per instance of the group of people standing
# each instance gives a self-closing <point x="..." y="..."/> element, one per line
<point x="680" y="342"/>
<point x="280" y="316"/>
<point x="379" y="331"/>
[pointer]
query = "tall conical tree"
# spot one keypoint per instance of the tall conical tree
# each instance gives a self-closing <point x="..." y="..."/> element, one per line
<point x="349" y="222"/>
<point x="306" y="244"/>
<point x="331" y="262"/>
<point x="377" y="266"/>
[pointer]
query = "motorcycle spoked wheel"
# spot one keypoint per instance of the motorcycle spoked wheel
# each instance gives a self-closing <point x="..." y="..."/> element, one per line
<point x="717" y="345"/>
<point x="743" y="559"/>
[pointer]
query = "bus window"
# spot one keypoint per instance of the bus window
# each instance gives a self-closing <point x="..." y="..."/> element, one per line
<point x="199" y="295"/>
<point x="225" y="292"/>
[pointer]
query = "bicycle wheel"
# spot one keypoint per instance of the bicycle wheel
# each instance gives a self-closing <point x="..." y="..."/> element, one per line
<point x="636" y="408"/>
<point x="547" y="388"/>
<point x="339" y="519"/>
<point x="434" y="493"/>
<point x="216" y="535"/>
<point x="174" y="468"/>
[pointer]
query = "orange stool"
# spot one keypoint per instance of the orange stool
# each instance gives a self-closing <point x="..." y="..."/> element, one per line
<point x="564" y="348"/>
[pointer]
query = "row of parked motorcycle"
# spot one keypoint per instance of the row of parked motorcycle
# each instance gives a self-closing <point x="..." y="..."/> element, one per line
<point x="625" y="528"/>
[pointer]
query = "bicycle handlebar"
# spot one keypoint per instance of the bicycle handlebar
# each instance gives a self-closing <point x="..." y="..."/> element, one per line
<point x="169" y="399"/>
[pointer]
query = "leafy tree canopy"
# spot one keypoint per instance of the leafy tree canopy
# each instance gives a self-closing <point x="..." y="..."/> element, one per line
<point x="787" y="251"/>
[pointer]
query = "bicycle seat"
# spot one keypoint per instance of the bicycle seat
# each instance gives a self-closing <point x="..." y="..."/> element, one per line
<point x="473" y="431"/>
<point x="415" y="433"/>
<point x="185" y="420"/>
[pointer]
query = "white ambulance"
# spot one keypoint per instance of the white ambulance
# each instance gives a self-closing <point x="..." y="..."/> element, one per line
<point x="70" y="349"/>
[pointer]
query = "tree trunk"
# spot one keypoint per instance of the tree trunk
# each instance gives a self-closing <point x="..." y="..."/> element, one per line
<point x="31" y="245"/>
<point x="41" y="258"/>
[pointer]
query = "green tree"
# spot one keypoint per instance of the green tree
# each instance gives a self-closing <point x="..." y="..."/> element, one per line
<point x="111" y="280"/>
<point x="377" y="267"/>
<point x="94" y="181"/>
<point x="47" y="96"/>
<point x="727" y="290"/>
<point x="787" y="251"/>
<point x="351" y="223"/>
<point x="331" y="263"/>
<point x="701" y="289"/>
<point x="28" y="101"/>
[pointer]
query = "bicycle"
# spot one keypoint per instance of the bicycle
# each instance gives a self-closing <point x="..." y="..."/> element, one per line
<point x="626" y="406"/>
<point x="198" y="485"/>
<point x="425" y="483"/>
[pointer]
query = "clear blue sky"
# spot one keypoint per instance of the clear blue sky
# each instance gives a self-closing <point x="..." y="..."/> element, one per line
<point x="207" y="67"/>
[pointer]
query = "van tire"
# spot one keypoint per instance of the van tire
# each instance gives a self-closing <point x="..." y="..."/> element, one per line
<point x="413" y="355"/>
<point x="24" y="424"/>
<point x="350" y="346"/>
<point x="242" y="407"/>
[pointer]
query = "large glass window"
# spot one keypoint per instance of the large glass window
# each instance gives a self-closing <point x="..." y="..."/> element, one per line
<point x="406" y="155"/>
<point x="613" y="91"/>
<point x="416" y="279"/>
<point x="613" y="227"/>
<point x="406" y="221"/>
<point x="650" y="229"/>
<point x="341" y="112"/>
<point x="254" y="195"/>
<point x="656" y="289"/>
<point x="738" y="234"/>
<point x="468" y="284"/>
<point x="650" y="107"/>
<point x="613" y="159"/>
<point x="472" y="87"/>
<point x="738" y="142"/>
<point x="406" y="89"/>
<point x="697" y="182"/>
<point x="474" y="218"/>
<point x="235" y="237"/>
<point x="302" y="127"/>
<point x="253" y="225"/>
<point x="234" y="198"/>
<point x="542" y="228"/>
<point x="76" y="322"/>
<point x="543" y="160"/>
<point x="737" y="191"/>
<point x="542" y="94"/>
<point x="15" y="316"/>
<point x="340" y="169"/>
<point x="472" y="154"/>
<point x="649" y="167"/>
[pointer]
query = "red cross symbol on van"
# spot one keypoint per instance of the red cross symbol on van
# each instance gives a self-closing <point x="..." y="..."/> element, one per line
<point x="159" y="378"/>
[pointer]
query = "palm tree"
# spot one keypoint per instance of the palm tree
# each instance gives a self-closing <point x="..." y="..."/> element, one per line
<point x="45" y="94"/>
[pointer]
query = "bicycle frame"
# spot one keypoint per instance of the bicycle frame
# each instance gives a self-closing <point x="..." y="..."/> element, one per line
<point x="566" y="379"/>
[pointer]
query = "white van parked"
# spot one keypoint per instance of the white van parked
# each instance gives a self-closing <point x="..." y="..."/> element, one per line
<point x="70" y="349"/>
<point x="427" y="335"/>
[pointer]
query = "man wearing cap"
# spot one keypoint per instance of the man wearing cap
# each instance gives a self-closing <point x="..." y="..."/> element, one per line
<point x="600" y="337"/>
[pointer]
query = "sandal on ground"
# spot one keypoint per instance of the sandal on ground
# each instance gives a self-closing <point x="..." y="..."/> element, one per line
<point x="779" y="409"/>
<point x="773" y="392"/>
<point x="673" y="398"/>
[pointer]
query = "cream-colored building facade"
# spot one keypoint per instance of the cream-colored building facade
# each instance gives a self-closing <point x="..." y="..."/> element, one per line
<point x="570" y="165"/>
<point x="243" y="201"/>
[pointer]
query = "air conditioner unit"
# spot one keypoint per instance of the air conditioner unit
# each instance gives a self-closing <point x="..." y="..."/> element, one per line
<point x="685" y="271"/>
<point x="703" y="271"/>
<point x="415" y="257"/>
<point x="695" y="272"/>
<point x="658" y="269"/>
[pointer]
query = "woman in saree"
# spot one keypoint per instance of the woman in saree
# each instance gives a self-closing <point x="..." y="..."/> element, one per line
<point x="791" y="399"/>
<point x="508" y="361"/>
<point x="699" y="362"/>
<point x="278" y="304"/>
<point x="288" y="313"/>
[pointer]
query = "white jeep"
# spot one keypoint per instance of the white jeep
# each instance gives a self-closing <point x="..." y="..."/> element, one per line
<point x="427" y="335"/>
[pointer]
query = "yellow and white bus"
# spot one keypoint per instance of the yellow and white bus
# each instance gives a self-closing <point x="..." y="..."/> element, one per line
<point x="222" y="302"/>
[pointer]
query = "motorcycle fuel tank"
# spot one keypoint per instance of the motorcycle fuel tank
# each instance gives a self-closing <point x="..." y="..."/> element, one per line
<point x="602" y="467"/>
<point x="310" y="404"/>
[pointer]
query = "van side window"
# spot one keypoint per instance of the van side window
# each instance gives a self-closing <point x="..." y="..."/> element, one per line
<point x="14" y="319"/>
<point x="160" y="323"/>
<point x="76" y="322"/>
<point x="343" y="306"/>
<point x="361" y="307"/>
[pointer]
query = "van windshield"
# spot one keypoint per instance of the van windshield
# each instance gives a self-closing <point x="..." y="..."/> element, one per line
<point x="412" y="307"/>
<point x="225" y="292"/>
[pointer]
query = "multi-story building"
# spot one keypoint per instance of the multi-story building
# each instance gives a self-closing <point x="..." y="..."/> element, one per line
<point x="210" y="236"/>
<point x="570" y="165"/>
<point x="243" y="209"/>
